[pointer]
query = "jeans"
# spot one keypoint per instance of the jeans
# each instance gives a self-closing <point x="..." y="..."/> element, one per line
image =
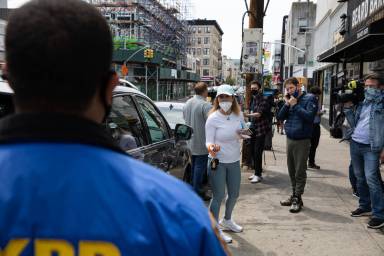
<point x="225" y="175"/>
<point x="297" y="155"/>
<point x="352" y="178"/>
<point x="257" y="148"/>
<point x="369" y="186"/>
<point x="314" y="143"/>
<point x="199" y="168"/>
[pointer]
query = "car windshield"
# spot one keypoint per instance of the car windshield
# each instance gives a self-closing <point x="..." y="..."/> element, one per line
<point x="174" y="116"/>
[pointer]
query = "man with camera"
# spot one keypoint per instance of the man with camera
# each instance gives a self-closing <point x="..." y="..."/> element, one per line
<point x="366" y="120"/>
<point x="299" y="112"/>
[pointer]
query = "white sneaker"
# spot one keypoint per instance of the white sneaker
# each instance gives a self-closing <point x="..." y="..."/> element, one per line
<point x="231" y="225"/>
<point x="226" y="238"/>
<point x="256" y="179"/>
<point x="251" y="177"/>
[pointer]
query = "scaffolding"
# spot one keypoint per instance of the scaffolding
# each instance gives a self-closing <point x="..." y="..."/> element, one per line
<point x="160" y="24"/>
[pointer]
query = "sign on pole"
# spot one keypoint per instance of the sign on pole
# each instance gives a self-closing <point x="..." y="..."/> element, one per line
<point x="252" y="50"/>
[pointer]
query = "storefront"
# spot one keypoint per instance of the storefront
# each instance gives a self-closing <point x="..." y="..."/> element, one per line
<point x="359" y="51"/>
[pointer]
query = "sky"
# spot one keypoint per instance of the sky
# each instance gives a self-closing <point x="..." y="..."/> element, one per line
<point x="228" y="14"/>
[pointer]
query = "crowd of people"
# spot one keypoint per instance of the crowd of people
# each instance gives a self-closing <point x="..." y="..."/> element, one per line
<point x="298" y="116"/>
<point x="68" y="192"/>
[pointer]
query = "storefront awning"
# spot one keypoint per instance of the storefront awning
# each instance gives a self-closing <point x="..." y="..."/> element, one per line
<point x="365" y="43"/>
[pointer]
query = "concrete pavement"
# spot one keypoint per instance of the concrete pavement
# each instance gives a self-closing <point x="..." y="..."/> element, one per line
<point x="324" y="227"/>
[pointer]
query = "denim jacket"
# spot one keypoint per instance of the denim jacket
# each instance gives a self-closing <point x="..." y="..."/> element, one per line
<point x="376" y="123"/>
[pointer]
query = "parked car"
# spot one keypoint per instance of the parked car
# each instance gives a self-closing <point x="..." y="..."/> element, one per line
<point x="139" y="127"/>
<point x="172" y="111"/>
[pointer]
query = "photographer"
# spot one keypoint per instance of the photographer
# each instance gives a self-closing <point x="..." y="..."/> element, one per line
<point x="366" y="120"/>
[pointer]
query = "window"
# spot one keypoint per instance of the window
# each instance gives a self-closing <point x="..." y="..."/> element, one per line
<point x="206" y="51"/>
<point x="303" y="24"/>
<point x="194" y="30"/>
<point x="205" y="72"/>
<point x="199" y="30"/>
<point x="158" y="130"/>
<point x="193" y="51"/>
<point x="124" y="123"/>
<point x="205" y="62"/>
<point x="206" y="40"/>
<point x="199" y="40"/>
<point x="198" y="51"/>
<point x="300" y="60"/>
<point x="207" y="30"/>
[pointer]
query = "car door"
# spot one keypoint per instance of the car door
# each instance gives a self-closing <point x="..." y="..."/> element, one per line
<point x="126" y="127"/>
<point x="161" y="142"/>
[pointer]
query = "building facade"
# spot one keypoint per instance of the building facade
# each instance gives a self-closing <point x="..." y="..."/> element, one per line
<point x="357" y="30"/>
<point x="299" y="33"/>
<point x="205" y="43"/>
<point x="159" y="25"/>
<point x="276" y="64"/>
<point x="231" y="70"/>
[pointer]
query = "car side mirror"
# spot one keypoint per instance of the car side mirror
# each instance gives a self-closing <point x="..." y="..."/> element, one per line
<point x="183" y="132"/>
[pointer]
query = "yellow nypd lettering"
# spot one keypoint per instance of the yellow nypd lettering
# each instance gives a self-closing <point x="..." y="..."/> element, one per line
<point x="15" y="247"/>
<point x="47" y="247"/>
<point x="90" y="248"/>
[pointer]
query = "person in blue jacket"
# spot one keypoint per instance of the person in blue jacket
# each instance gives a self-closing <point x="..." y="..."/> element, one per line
<point x="299" y="111"/>
<point x="65" y="188"/>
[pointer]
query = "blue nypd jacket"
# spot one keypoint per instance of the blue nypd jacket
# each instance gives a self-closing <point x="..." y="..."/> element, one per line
<point x="66" y="189"/>
<point x="300" y="117"/>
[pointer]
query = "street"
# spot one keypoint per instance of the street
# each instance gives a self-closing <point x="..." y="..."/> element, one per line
<point x="324" y="227"/>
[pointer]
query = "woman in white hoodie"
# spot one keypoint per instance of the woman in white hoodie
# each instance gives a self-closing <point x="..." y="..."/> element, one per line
<point x="223" y="129"/>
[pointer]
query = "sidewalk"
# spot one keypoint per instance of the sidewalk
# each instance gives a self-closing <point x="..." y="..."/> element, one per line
<point x="324" y="227"/>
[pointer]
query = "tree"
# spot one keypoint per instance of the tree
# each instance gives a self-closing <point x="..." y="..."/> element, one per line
<point x="230" y="80"/>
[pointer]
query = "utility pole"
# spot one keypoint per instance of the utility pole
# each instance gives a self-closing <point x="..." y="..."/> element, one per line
<point x="256" y="20"/>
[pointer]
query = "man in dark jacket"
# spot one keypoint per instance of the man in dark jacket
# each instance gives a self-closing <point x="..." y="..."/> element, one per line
<point x="259" y="127"/>
<point x="65" y="187"/>
<point x="299" y="112"/>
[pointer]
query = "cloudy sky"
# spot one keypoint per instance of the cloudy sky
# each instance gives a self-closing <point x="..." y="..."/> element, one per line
<point x="228" y="13"/>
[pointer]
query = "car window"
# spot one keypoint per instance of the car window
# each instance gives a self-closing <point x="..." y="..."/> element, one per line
<point x="158" y="130"/>
<point x="124" y="123"/>
<point x="173" y="115"/>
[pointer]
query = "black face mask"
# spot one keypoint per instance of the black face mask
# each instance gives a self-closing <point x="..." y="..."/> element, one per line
<point x="255" y="92"/>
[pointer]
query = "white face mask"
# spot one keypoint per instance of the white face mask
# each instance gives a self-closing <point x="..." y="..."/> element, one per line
<point x="225" y="106"/>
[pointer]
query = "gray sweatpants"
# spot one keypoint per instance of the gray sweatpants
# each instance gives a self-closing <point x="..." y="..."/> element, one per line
<point x="225" y="175"/>
<point x="297" y="155"/>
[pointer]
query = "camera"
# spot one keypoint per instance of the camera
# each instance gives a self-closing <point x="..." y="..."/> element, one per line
<point x="353" y="91"/>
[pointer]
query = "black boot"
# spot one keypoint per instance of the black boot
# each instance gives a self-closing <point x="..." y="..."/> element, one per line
<point x="287" y="202"/>
<point x="297" y="204"/>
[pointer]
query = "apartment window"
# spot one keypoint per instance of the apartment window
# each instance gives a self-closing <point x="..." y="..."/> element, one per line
<point x="193" y="41"/>
<point x="206" y="51"/>
<point x="193" y="51"/>
<point x="194" y="30"/>
<point x="205" y="72"/>
<point x="207" y="30"/>
<point x="199" y="30"/>
<point x="303" y="24"/>
<point x="199" y="40"/>
<point x="206" y="62"/>
<point x="206" y="40"/>
<point x="198" y="51"/>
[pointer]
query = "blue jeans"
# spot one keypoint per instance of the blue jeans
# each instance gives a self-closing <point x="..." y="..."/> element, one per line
<point x="199" y="168"/>
<point x="369" y="186"/>
<point x="352" y="178"/>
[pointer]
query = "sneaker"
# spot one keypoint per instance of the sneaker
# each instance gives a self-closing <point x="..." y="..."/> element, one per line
<point x="230" y="225"/>
<point x="376" y="223"/>
<point x="287" y="202"/>
<point x="313" y="166"/>
<point x="296" y="206"/>
<point x="251" y="177"/>
<point x="226" y="238"/>
<point x="360" y="213"/>
<point x="256" y="179"/>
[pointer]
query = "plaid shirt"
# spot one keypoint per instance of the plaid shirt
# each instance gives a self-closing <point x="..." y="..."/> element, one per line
<point x="260" y="126"/>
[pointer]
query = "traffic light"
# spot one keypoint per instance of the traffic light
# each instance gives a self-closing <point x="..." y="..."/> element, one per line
<point x="149" y="54"/>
